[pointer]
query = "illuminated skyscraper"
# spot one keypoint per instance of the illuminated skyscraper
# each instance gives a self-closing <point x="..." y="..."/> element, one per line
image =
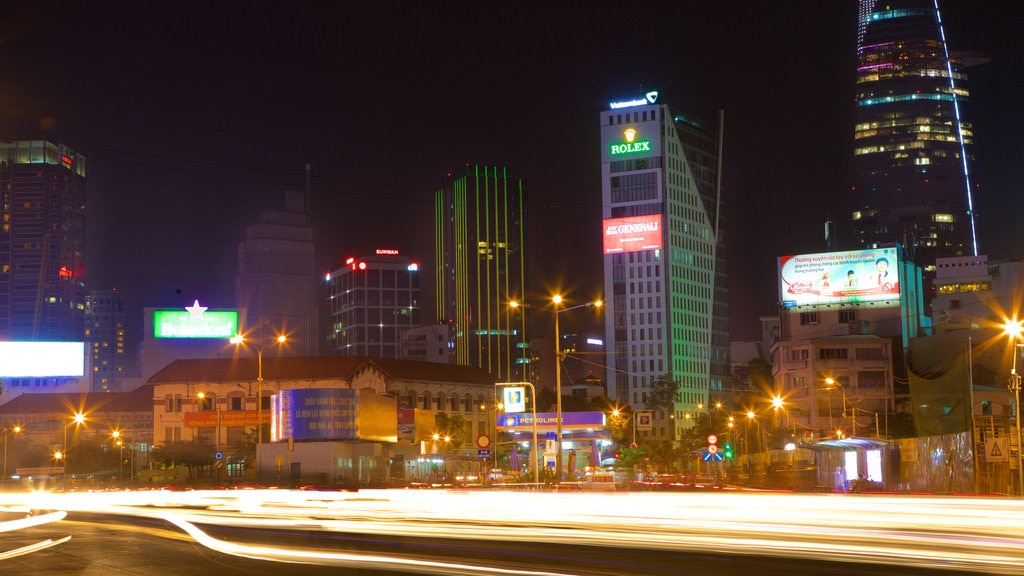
<point x="480" y="254"/>
<point x="371" y="302"/>
<point x="104" y="338"/>
<point x="42" y="242"/>
<point x="664" y="267"/>
<point x="912" y="148"/>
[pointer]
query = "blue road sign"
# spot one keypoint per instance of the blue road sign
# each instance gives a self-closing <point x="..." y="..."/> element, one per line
<point x="712" y="456"/>
<point x="219" y="456"/>
<point x="483" y="453"/>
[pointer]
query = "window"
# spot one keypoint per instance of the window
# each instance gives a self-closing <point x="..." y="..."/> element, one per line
<point x="847" y="315"/>
<point x="833" y="354"/>
<point x="808" y="318"/>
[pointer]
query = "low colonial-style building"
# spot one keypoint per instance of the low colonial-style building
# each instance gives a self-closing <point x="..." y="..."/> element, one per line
<point x="331" y="419"/>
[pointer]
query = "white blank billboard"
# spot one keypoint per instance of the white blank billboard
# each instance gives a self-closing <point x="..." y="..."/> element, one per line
<point x="41" y="359"/>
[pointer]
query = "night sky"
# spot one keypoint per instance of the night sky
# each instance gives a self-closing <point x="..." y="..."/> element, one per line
<point x="196" y="117"/>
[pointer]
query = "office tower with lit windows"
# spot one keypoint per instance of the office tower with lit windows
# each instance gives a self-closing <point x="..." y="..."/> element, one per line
<point x="371" y="302"/>
<point x="912" y="141"/>
<point x="277" y="287"/>
<point x="105" y="321"/>
<point x="480" y="255"/>
<point x="664" y="264"/>
<point x="42" y="242"/>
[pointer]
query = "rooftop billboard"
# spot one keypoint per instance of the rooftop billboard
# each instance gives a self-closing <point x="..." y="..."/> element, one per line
<point x="195" y="321"/>
<point x="632" y="234"/>
<point x="41" y="359"/>
<point x="839" y="277"/>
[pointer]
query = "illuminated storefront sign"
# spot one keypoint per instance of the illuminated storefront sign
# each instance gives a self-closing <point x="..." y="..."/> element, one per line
<point x="195" y="322"/>
<point x="839" y="277"/>
<point x="550" y="420"/>
<point x="632" y="234"/>
<point x="649" y="98"/>
<point x="631" y="145"/>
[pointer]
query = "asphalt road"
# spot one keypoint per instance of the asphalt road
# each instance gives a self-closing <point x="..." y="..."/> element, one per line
<point x="115" y="545"/>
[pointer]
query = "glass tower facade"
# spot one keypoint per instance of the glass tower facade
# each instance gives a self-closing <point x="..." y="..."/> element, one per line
<point x="667" y="299"/>
<point x="372" y="301"/>
<point x="912" y="144"/>
<point x="480" y="253"/>
<point x="104" y="336"/>
<point x="42" y="242"/>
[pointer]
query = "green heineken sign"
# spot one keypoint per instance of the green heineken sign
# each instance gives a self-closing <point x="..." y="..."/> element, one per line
<point x="195" y="321"/>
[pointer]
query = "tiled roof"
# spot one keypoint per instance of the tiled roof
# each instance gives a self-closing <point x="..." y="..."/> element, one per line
<point x="139" y="400"/>
<point x="314" y="368"/>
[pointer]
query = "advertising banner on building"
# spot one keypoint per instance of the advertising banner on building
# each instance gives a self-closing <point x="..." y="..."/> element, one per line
<point x="41" y="359"/>
<point x="333" y="414"/>
<point x="632" y="234"/>
<point x="839" y="277"/>
<point x="631" y="140"/>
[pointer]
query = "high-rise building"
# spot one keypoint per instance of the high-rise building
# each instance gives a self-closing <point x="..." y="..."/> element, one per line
<point x="277" y="286"/>
<point x="42" y="242"/>
<point x="371" y="301"/>
<point x="664" y="245"/>
<point x="480" y="256"/>
<point x="104" y="338"/>
<point x="912" y="141"/>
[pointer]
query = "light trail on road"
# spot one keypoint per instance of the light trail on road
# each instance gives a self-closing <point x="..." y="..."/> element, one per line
<point x="978" y="535"/>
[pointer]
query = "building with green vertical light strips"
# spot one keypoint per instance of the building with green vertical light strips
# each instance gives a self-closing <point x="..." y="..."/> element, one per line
<point x="665" y="276"/>
<point x="481" y="263"/>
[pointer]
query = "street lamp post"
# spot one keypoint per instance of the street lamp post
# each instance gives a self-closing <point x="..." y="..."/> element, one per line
<point x="533" y="445"/>
<point x="1013" y="329"/>
<point x="7" y="432"/>
<point x="77" y="419"/>
<point x="121" y="438"/>
<point x="556" y="300"/>
<point x="239" y="339"/>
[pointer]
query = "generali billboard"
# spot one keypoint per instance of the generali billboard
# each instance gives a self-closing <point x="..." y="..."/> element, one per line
<point x="632" y="234"/>
<point x="839" y="277"/>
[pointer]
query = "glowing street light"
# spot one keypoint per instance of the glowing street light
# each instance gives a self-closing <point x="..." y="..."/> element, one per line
<point x="238" y="340"/>
<point x="1013" y="329"/>
<point x="77" y="419"/>
<point x="556" y="301"/>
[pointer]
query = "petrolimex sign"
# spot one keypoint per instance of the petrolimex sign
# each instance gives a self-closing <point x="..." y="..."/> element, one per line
<point x="630" y="144"/>
<point x="195" y="321"/>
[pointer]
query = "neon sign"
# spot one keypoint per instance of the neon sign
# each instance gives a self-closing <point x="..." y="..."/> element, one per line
<point x="631" y="146"/>
<point x="195" y="321"/>
<point x="649" y="98"/>
<point x="387" y="252"/>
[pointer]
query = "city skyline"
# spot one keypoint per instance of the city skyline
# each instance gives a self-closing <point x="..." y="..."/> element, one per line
<point x="195" y="121"/>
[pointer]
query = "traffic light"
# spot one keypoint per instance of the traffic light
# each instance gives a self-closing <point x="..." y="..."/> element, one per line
<point x="728" y="451"/>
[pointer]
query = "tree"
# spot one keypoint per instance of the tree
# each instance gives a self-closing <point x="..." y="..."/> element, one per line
<point x="754" y="377"/>
<point x="190" y="454"/>
<point x="455" y="428"/>
<point x="664" y="390"/>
